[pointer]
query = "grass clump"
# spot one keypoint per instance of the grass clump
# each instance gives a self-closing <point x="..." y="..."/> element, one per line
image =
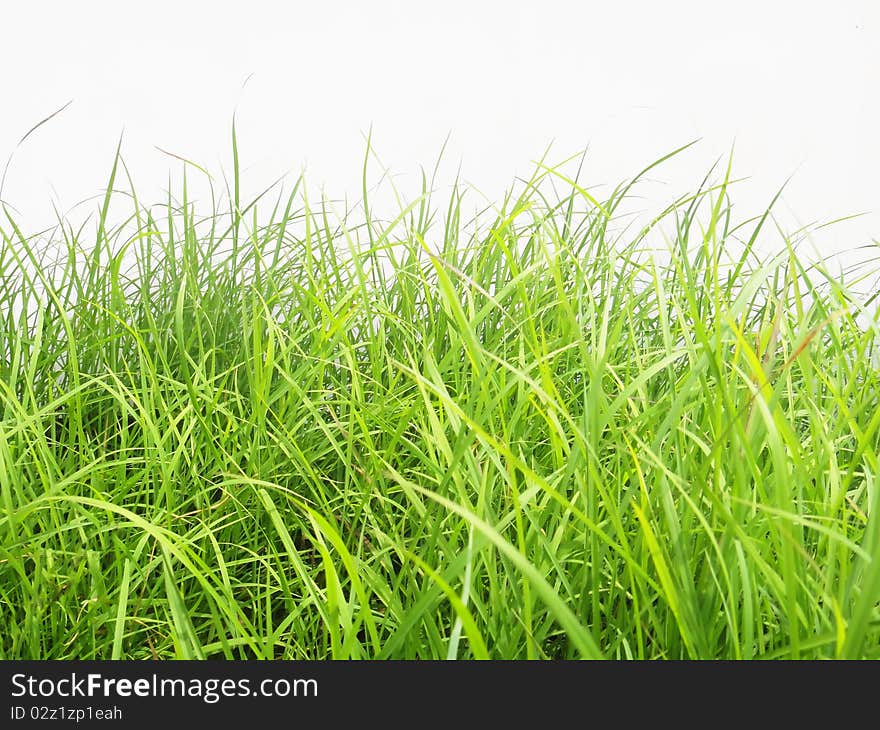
<point x="299" y="434"/>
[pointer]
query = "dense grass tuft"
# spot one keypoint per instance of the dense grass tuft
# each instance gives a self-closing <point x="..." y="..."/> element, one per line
<point x="297" y="434"/>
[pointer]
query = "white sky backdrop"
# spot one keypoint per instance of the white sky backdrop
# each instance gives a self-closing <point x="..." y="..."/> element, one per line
<point x="795" y="83"/>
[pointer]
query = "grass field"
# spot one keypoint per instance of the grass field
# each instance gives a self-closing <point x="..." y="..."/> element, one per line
<point x="268" y="429"/>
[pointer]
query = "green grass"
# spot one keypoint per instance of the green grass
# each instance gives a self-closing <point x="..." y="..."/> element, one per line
<point x="265" y="429"/>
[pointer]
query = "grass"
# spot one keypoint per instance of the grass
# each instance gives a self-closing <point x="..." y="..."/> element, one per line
<point x="269" y="430"/>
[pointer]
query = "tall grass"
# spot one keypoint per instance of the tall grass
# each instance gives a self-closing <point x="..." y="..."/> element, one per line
<point x="268" y="430"/>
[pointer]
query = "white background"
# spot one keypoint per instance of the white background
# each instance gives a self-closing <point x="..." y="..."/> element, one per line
<point x="794" y="83"/>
